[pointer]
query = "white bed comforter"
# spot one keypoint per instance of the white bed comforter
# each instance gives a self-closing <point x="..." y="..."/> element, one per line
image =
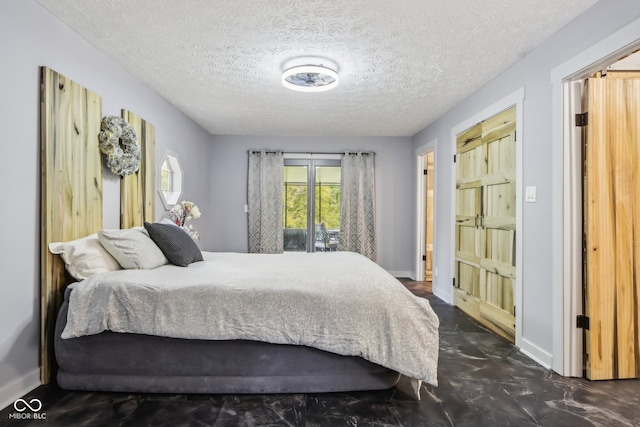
<point x="338" y="302"/>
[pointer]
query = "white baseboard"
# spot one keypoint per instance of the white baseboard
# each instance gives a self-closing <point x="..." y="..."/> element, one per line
<point x="536" y="353"/>
<point x="15" y="390"/>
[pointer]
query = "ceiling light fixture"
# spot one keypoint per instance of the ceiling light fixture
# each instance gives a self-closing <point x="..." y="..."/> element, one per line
<point x="310" y="75"/>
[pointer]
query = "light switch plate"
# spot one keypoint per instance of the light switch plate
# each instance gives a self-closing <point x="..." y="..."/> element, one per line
<point x="530" y="194"/>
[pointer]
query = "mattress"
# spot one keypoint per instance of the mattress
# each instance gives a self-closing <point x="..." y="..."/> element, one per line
<point x="111" y="361"/>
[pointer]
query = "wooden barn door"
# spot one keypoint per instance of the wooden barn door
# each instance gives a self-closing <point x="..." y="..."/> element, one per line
<point x="612" y="228"/>
<point x="486" y="222"/>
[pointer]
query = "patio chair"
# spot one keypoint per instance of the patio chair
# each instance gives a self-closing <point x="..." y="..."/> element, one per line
<point x="324" y="241"/>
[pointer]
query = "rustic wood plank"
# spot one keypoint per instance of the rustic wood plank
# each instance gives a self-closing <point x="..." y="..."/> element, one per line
<point x="469" y="139"/>
<point x="635" y="128"/>
<point x="469" y="258"/>
<point x="499" y="124"/>
<point x="600" y="304"/>
<point x="469" y="278"/>
<point x="137" y="190"/>
<point x="500" y="245"/>
<point x="619" y="74"/>
<point x="501" y="268"/>
<point x="504" y="125"/>
<point x="624" y="140"/>
<point x="469" y="183"/>
<point x="498" y="320"/>
<point x="71" y="187"/>
<point x="494" y="318"/>
<point x="501" y="222"/>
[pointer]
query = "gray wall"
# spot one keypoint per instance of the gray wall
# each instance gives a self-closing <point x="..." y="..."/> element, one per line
<point x="393" y="196"/>
<point x="532" y="73"/>
<point x="31" y="38"/>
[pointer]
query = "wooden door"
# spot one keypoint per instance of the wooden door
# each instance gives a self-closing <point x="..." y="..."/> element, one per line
<point x="612" y="228"/>
<point x="486" y="222"/>
<point x="429" y="169"/>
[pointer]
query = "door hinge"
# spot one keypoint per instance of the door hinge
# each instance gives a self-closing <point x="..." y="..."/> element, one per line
<point x="426" y="172"/>
<point x="582" y="322"/>
<point x="454" y="158"/>
<point x="582" y="119"/>
<point x="514" y="310"/>
<point x="454" y="282"/>
<point x="424" y="257"/>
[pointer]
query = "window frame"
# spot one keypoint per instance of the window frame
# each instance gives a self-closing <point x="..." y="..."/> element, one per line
<point x="311" y="162"/>
<point x="170" y="198"/>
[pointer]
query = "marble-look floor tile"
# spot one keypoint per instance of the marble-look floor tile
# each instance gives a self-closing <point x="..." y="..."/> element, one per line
<point x="350" y="409"/>
<point x="262" y="410"/>
<point x="175" y="411"/>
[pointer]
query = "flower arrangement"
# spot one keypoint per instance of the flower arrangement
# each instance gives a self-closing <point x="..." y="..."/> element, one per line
<point x="183" y="212"/>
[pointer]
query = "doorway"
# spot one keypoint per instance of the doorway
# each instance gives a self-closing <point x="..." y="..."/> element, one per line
<point x="485" y="222"/>
<point x="605" y="187"/>
<point x="426" y="269"/>
<point x="311" y="212"/>
<point x="429" y="177"/>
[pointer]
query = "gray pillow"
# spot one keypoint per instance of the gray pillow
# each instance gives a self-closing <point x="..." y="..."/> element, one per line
<point x="175" y="243"/>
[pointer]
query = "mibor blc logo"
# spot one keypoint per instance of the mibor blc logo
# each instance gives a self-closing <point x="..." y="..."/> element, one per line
<point x="27" y="410"/>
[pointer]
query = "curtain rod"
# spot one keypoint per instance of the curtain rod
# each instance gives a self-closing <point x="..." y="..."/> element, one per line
<point x="315" y="152"/>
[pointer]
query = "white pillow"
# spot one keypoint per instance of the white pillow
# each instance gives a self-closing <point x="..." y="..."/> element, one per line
<point x="133" y="248"/>
<point x="166" y="220"/>
<point x="85" y="257"/>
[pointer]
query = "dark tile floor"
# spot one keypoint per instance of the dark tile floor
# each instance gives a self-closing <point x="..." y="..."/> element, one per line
<point x="483" y="381"/>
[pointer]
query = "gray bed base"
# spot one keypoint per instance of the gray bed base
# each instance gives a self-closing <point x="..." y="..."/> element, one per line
<point x="150" y="364"/>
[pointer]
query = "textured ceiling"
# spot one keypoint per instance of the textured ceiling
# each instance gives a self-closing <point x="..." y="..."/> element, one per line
<point x="402" y="63"/>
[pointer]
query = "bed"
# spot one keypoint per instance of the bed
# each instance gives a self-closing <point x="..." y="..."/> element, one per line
<point x="122" y="351"/>
<point x="246" y="323"/>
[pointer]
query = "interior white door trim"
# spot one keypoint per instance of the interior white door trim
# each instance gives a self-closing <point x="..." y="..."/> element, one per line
<point x="567" y="260"/>
<point x="421" y="213"/>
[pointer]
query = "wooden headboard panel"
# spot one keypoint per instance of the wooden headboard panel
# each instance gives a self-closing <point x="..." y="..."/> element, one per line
<point x="137" y="191"/>
<point x="71" y="187"/>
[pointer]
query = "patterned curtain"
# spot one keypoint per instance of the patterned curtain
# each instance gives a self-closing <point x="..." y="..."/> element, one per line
<point x="358" y="205"/>
<point x="266" y="175"/>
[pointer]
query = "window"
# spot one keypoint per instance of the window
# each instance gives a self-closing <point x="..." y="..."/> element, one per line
<point x="170" y="180"/>
<point x="166" y="177"/>
<point x="311" y="215"/>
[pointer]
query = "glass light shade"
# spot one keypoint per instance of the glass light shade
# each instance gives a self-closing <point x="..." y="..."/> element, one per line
<point x="310" y="78"/>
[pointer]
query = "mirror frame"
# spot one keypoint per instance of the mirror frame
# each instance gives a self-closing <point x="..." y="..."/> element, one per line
<point x="171" y="198"/>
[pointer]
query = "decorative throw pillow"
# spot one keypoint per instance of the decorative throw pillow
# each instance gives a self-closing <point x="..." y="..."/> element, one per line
<point x="84" y="257"/>
<point x="175" y="243"/>
<point x="133" y="248"/>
